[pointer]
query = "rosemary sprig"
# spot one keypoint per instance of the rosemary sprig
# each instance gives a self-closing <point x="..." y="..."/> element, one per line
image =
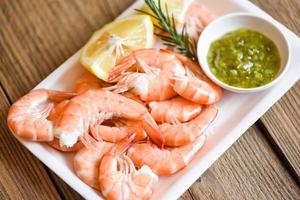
<point x="166" y="23"/>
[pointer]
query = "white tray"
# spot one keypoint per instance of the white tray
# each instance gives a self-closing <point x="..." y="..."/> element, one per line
<point x="237" y="112"/>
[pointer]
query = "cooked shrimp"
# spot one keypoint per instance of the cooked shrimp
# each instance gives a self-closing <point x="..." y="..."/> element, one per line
<point x="118" y="178"/>
<point x="133" y="97"/>
<point x="27" y="117"/>
<point x="155" y="83"/>
<point x="174" y="110"/>
<point x="196" y="18"/>
<point x="116" y="129"/>
<point x="85" y="108"/>
<point x="196" y="86"/>
<point x="182" y="133"/>
<point x="56" y="145"/>
<point x="88" y="81"/>
<point x="166" y="161"/>
<point x="87" y="160"/>
<point x="53" y="116"/>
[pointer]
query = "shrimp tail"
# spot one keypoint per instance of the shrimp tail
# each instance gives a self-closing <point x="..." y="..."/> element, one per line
<point x="143" y="66"/>
<point x="152" y="130"/>
<point x="124" y="84"/>
<point x="58" y="96"/>
<point x="119" y="69"/>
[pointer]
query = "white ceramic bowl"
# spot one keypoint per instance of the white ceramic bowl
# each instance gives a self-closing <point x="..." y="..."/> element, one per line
<point x="231" y="22"/>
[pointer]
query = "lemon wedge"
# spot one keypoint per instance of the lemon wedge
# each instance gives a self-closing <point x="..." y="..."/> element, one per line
<point x="176" y="8"/>
<point x="115" y="41"/>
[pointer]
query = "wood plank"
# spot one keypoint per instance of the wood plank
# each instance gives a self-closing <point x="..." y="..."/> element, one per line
<point x="186" y="196"/>
<point x="37" y="36"/>
<point x="22" y="175"/>
<point x="282" y="121"/>
<point x="52" y="30"/>
<point x="248" y="170"/>
<point x="282" y="125"/>
<point x="285" y="11"/>
<point x="64" y="189"/>
<point x="117" y="7"/>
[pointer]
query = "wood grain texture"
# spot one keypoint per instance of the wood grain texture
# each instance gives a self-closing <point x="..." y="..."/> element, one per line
<point x="282" y="121"/>
<point x="22" y="176"/>
<point x="282" y="125"/>
<point x="248" y="170"/>
<point x="37" y="36"/>
<point x="62" y="188"/>
<point x="285" y="11"/>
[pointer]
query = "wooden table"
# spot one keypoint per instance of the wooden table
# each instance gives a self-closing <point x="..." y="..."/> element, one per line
<point x="36" y="36"/>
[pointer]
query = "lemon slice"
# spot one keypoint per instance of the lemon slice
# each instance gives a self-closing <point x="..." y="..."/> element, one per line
<point x="114" y="41"/>
<point x="176" y="8"/>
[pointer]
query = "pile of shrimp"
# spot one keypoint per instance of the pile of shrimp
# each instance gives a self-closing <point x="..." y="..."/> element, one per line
<point x="148" y="120"/>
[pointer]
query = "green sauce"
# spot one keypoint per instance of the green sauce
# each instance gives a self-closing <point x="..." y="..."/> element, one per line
<point x="244" y="58"/>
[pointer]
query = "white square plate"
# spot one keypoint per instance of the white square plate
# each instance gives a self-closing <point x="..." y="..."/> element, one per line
<point x="237" y="112"/>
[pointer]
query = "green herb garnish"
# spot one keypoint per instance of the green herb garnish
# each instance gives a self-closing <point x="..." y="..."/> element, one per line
<point x="166" y="23"/>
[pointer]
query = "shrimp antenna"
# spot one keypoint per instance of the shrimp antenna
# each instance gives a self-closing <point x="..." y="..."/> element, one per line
<point x="123" y="145"/>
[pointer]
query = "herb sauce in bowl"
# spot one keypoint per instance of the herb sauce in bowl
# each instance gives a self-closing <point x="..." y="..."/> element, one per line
<point x="244" y="58"/>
